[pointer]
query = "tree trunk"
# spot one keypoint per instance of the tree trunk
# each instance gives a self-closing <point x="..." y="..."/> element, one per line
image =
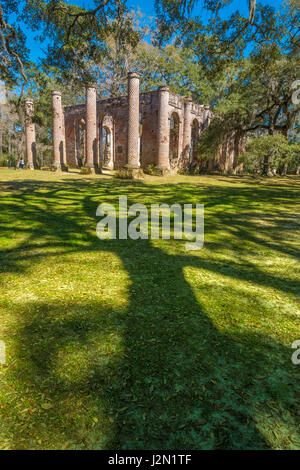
<point x="284" y="169"/>
<point x="266" y="166"/>
<point x="298" y="168"/>
<point x="267" y="158"/>
<point x="9" y="143"/>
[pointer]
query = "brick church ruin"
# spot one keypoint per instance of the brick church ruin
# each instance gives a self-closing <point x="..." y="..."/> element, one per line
<point x="157" y="127"/>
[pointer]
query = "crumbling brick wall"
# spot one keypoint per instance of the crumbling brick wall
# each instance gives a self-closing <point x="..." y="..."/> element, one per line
<point x="117" y="110"/>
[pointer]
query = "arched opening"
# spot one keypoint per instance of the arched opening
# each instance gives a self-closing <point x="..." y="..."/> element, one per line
<point x="174" y="137"/>
<point x="106" y="141"/>
<point x="106" y="145"/>
<point x="194" y="140"/>
<point x="80" y="142"/>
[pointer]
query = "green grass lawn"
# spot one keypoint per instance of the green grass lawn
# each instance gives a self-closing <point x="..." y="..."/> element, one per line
<point x="141" y="344"/>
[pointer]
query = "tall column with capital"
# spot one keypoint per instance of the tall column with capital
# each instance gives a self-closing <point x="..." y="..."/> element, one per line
<point x="91" y="127"/>
<point x="58" y="136"/>
<point x="163" y="130"/>
<point x="187" y="128"/>
<point x="133" y="158"/>
<point x="30" y="134"/>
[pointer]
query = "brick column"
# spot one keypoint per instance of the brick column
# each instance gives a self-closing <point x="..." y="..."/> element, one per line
<point x="187" y="128"/>
<point x="133" y="158"/>
<point x="91" y="127"/>
<point x="64" y="136"/>
<point x="59" y="150"/>
<point x="163" y="131"/>
<point x="30" y="134"/>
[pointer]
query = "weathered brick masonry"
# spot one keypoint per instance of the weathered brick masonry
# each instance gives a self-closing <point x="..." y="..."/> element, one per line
<point x="30" y="134"/>
<point x="157" y="128"/>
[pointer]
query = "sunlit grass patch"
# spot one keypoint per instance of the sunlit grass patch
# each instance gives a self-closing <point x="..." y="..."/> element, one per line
<point x="142" y="344"/>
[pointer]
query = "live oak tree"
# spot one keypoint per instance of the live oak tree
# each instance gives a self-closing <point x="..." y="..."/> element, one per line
<point x="13" y="52"/>
<point x="271" y="154"/>
<point x="75" y="39"/>
<point x="75" y="36"/>
<point x="250" y="92"/>
<point x="174" y="14"/>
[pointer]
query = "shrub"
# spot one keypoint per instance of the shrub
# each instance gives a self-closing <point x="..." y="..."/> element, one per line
<point x="5" y="157"/>
<point x="129" y="173"/>
<point x="152" y="169"/>
<point x="85" y="170"/>
<point x="269" y="154"/>
<point x="124" y="173"/>
<point x="3" y="160"/>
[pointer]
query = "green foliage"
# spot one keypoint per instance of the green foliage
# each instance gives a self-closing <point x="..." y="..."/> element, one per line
<point x="80" y="37"/>
<point x="13" y="50"/>
<point x="248" y="93"/>
<point x="124" y="173"/>
<point x="75" y="37"/>
<point x="272" y="150"/>
<point x="85" y="170"/>
<point x="129" y="173"/>
<point x="173" y="14"/>
<point x="11" y="157"/>
<point x="154" y="170"/>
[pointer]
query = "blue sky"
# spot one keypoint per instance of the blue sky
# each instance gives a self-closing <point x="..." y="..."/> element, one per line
<point x="147" y="7"/>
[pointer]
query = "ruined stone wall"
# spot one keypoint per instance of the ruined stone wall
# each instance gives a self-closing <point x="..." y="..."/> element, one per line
<point x="226" y="159"/>
<point x="149" y="110"/>
<point x="117" y="110"/>
<point x="73" y="115"/>
<point x="149" y="117"/>
<point x="176" y="107"/>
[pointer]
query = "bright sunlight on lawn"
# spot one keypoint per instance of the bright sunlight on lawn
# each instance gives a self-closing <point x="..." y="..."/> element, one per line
<point x="142" y="344"/>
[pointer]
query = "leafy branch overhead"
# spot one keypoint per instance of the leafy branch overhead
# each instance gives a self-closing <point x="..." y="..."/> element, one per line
<point x="74" y="36"/>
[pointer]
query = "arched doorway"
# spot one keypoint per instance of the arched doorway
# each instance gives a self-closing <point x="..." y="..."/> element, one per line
<point x="194" y="140"/>
<point x="174" y="137"/>
<point x="106" y="141"/>
<point x="80" y="142"/>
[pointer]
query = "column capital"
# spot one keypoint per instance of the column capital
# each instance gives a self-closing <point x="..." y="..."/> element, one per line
<point x="29" y="105"/>
<point x="55" y="92"/>
<point x="133" y="75"/>
<point x="163" y="88"/>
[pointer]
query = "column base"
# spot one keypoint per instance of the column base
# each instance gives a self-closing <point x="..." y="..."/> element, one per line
<point x="164" y="171"/>
<point x="59" y="168"/>
<point x="132" y="172"/>
<point x="90" y="170"/>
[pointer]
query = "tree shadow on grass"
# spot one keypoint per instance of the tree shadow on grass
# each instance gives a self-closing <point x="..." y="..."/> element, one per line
<point x="174" y="379"/>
